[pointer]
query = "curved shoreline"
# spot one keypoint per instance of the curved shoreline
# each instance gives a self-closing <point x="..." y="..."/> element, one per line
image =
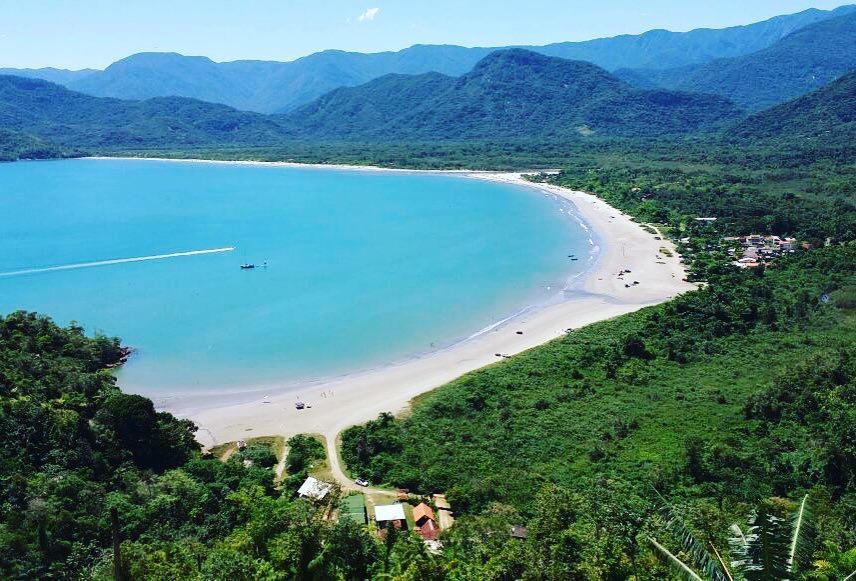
<point x="189" y="399"/>
<point x="339" y="402"/>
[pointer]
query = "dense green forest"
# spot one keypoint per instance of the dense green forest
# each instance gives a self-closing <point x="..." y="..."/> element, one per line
<point x="824" y="115"/>
<point x="514" y="107"/>
<point x="15" y="145"/>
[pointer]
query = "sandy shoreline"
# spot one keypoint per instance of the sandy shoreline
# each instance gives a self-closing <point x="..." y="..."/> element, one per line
<point x="340" y="402"/>
<point x="293" y="164"/>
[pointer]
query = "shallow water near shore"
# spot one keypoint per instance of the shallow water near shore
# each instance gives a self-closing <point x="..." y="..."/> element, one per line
<point x="363" y="268"/>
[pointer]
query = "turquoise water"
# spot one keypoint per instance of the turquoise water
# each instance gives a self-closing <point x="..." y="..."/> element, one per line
<point x="364" y="268"/>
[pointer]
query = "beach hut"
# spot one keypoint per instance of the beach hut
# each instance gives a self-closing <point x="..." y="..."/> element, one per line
<point x="426" y="524"/>
<point x="314" y="489"/>
<point x="387" y="515"/>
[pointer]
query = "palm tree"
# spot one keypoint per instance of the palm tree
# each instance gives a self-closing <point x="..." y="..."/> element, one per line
<point x="768" y="550"/>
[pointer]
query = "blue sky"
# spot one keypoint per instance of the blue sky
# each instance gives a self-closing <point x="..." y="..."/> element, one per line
<point x="94" y="33"/>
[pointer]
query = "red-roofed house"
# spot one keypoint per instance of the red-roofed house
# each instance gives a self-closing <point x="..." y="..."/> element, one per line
<point x="426" y="524"/>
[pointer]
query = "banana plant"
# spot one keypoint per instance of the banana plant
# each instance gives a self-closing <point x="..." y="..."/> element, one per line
<point x="768" y="550"/>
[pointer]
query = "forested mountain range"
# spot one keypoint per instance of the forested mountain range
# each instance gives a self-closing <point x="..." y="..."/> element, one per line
<point x="801" y="62"/>
<point x="278" y="87"/>
<point x="512" y="93"/>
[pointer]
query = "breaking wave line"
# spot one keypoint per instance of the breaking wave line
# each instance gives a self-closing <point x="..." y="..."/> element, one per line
<point x="116" y="261"/>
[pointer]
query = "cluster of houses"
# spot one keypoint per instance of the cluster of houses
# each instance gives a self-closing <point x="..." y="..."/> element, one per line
<point x="386" y="516"/>
<point x="757" y="250"/>
<point x="424" y="522"/>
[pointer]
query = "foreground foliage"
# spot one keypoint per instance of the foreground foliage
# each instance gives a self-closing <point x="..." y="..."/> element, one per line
<point x="75" y="446"/>
<point x="773" y="546"/>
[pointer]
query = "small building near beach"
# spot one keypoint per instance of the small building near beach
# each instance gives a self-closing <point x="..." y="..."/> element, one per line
<point x="390" y="515"/>
<point x="426" y="523"/>
<point x="314" y="489"/>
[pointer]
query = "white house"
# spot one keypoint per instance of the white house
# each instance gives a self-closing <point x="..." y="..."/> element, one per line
<point x="314" y="489"/>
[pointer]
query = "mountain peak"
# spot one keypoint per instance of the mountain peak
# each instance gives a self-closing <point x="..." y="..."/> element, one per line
<point x="522" y="57"/>
<point x="150" y="59"/>
<point x="517" y="66"/>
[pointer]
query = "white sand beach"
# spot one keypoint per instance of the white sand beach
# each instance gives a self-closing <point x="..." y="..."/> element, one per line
<point x="343" y="401"/>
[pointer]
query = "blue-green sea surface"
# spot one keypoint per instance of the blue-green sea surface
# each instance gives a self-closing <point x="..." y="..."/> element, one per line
<point x="363" y="268"/>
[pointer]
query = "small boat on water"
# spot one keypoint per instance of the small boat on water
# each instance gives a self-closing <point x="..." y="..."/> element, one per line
<point x="247" y="266"/>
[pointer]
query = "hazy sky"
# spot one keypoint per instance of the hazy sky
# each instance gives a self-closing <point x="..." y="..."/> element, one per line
<point x="94" y="33"/>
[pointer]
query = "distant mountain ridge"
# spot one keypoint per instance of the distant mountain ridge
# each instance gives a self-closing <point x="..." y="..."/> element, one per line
<point x="58" y="76"/>
<point x="269" y="87"/>
<point x="799" y="63"/>
<point x="663" y="49"/>
<point x="512" y="93"/>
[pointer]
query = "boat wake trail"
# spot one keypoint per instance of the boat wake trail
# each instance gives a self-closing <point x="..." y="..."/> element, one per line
<point x="115" y="261"/>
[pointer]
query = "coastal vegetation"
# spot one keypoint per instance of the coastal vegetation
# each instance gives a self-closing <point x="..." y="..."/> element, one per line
<point x="15" y="145"/>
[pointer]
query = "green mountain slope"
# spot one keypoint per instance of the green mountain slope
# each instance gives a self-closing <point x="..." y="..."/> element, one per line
<point x="826" y="114"/>
<point x="72" y="119"/>
<point x="268" y="87"/>
<point x="798" y="64"/>
<point x="510" y="94"/>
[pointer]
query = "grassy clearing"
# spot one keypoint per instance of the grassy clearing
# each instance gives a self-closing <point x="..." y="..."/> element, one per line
<point x="224" y="451"/>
